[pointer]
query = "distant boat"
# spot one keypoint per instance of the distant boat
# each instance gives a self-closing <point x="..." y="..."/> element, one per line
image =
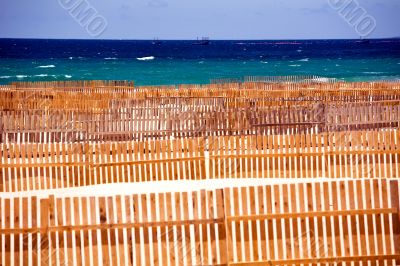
<point x="156" y="41"/>
<point x="203" y="41"/>
<point x="363" y="41"/>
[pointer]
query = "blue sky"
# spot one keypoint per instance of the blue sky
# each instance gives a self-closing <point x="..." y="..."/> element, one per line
<point x="186" y="19"/>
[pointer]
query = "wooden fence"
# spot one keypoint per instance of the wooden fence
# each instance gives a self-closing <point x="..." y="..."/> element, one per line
<point x="286" y="224"/>
<point x="307" y="79"/>
<point x="324" y="155"/>
<point x="6" y="87"/>
<point x="73" y="83"/>
<point x="359" y="154"/>
<point x="310" y="79"/>
<point x="140" y="123"/>
<point x="238" y="95"/>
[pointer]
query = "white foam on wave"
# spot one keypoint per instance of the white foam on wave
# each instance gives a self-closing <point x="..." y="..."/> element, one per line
<point x="41" y="75"/>
<point x="5" y="77"/>
<point x="295" y="65"/>
<point x="299" y="51"/>
<point x="110" y="58"/>
<point x="46" y="66"/>
<point x="372" y="72"/>
<point x="146" y="58"/>
<point x="264" y="62"/>
<point x="304" y="60"/>
<point x="21" y="76"/>
<point x="68" y="76"/>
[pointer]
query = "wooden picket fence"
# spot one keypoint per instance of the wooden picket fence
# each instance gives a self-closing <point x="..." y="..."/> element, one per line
<point x="313" y="223"/>
<point x="291" y="171"/>
<point x="307" y="79"/>
<point x="357" y="154"/>
<point x="141" y="123"/>
<point x="73" y="83"/>
<point x="236" y="95"/>
<point x="6" y="87"/>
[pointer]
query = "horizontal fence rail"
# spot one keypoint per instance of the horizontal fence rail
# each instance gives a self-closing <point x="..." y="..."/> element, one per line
<point x="303" y="223"/>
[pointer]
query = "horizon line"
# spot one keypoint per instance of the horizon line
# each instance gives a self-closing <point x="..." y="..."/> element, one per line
<point x="145" y="39"/>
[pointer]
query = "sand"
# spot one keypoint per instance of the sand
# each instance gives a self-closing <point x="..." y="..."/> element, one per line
<point x="161" y="187"/>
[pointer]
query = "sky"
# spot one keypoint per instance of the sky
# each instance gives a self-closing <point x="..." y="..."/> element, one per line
<point x="187" y="19"/>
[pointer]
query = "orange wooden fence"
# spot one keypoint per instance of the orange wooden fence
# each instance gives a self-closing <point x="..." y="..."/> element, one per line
<point x="296" y="171"/>
<point x="294" y="223"/>
<point x="182" y="120"/>
<point x="358" y="154"/>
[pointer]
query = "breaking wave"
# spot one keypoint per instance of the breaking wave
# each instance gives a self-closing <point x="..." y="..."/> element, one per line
<point x="146" y="58"/>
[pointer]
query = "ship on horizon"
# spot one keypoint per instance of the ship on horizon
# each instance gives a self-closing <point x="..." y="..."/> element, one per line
<point x="203" y="41"/>
<point x="156" y="41"/>
<point x="363" y="41"/>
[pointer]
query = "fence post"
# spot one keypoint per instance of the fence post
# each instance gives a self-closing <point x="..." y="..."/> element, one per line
<point x="227" y="232"/>
<point x="395" y="203"/>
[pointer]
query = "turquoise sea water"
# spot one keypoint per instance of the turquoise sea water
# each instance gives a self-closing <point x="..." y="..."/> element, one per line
<point x="173" y="62"/>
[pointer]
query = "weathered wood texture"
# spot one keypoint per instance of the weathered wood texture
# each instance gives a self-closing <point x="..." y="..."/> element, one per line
<point x="312" y="223"/>
<point x="298" y="223"/>
<point x="58" y="135"/>
<point x="235" y="94"/>
<point x="190" y="120"/>
<point x="350" y="154"/>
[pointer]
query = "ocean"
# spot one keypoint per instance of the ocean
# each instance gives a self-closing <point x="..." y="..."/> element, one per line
<point x="176" y="62"/>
